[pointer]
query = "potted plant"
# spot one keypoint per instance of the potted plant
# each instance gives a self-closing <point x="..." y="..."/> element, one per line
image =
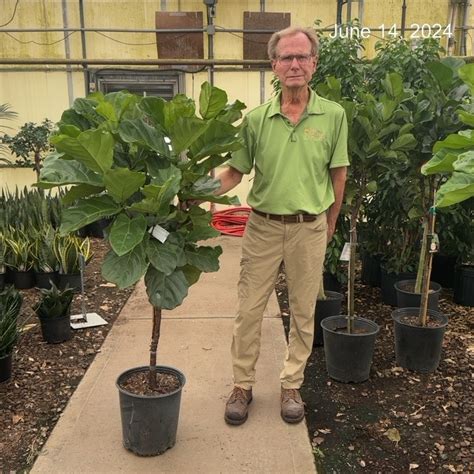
<point x="53" y="311"/>
<point x="30" y="143"/>
<point x="20" y="259"/>
<point x="10" y="304"/>
<point x="3" y="254"/>
<point x="377" y="137"/>
<point x="432" y="110"/>
<point x="140" y="161"/>
<point x="45" y="260"/>
<point x="419" y="331"/>
<point x="68" y="249"/>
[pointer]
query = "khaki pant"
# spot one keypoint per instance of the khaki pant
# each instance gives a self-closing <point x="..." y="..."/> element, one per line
<point x="266" y="243"/>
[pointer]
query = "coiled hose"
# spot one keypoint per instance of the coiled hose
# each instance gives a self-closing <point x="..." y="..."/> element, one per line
<point x="231" y="221"/>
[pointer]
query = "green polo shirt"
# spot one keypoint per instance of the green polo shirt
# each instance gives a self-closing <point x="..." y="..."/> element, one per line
<point x="292" y="162"/>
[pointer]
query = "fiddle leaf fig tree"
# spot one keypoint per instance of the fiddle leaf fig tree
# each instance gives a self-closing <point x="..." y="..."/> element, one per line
<point x="140" y="161"/>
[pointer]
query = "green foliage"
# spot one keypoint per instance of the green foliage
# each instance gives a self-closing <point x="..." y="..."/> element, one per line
<point x="139" y="161"/>
<point x="68" y="249"/>
<point x="30" y="143"/>
<point x="54" y="303"/>
<point x="5" y="114"/>
<point x="10" y="304"/>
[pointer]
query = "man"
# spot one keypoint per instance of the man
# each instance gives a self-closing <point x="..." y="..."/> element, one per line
<point x="297" y="144"/>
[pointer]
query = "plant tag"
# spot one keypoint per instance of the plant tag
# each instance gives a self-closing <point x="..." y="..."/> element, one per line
<point x="346" y="253"/>
<point x="159" y="233"/>
<point x="434" y="243"/>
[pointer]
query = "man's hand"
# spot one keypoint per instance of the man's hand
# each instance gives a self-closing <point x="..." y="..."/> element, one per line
<point x="331" y="229"/>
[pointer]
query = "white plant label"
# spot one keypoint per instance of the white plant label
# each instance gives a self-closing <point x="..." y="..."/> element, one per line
<point x="346" y="252"/>
<point x="159" y="233"/>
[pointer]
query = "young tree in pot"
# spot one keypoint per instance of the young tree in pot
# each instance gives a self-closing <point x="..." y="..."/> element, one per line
<point x="10" y="304"/>
<point x="141" y="161"/>
<point x="31" y="141"/>
<point x="433" y="111"/>
<point x="53" y="311"/>
<point x="419" y="331"/>
<point x="378" y="135"/>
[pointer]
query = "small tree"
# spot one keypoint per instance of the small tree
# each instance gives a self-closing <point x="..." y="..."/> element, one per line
<point x="454" y="160"/>
<point x="30" y="143"/>
<point x="140" y="161"/>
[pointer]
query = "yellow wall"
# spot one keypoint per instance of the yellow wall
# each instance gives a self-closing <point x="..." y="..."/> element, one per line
<point x="37" y="94"/>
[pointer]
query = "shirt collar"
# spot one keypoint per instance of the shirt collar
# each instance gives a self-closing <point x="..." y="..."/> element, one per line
<point x="315" y="105"/>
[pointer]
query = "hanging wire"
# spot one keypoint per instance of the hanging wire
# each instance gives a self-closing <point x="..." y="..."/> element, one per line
<point x="13" y="16"/>
<point x="40" y="44"/>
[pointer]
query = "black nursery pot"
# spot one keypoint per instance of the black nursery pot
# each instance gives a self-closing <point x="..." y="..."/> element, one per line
<point x="349" y="356"/>
<point x="443" y="270"/>
<point x="331" y="306"/>
<point x="72" y="280"/>
<point x="6" y="367"/>
<point x="418" y="348"/>
<point x="149" y="423"/>
<point x="370" y="269"/>
<point x="388" y="280"/>
<point x="44" y="279"/>
<point x="464" y="285"/>
<point x="56" y="330"/>
<point x="2" y="281"/>
<point x="409" y="299"/>
<point x="23" y="280"/>
<point x="331" y="283"/>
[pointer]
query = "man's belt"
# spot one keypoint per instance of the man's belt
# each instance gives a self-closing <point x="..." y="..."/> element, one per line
<point x="287" y="218"/>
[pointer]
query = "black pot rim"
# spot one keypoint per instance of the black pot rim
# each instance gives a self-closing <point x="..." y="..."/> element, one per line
<point x="332" y="295"/>
<point x="413" y="311"/>
<point x="144" y="368"/>
<point x="55" y="318"/>
<point x="375" y="327"/>
<point x="436" y="287"/>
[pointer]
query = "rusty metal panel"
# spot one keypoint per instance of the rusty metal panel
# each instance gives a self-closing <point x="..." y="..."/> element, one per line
<point x="255" y="44"/>
<point x="179" y="45"/>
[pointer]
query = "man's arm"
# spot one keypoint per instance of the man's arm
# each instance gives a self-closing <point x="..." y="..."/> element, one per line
<point x="229" y="179"/>
<point x="338" y="178"/>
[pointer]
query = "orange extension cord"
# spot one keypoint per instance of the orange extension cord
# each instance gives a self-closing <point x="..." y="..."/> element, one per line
<point x="231" y="221"/>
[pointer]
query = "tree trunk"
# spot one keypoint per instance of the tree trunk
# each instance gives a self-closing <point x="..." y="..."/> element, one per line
<point x="351" y="283"/>
<point x="155" y="337"/>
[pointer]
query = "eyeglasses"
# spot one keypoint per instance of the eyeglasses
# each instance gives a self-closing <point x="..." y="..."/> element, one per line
<point x="301" y="58"/>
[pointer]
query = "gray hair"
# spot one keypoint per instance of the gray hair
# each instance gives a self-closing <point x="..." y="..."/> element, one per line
<point x="291" y="31"/>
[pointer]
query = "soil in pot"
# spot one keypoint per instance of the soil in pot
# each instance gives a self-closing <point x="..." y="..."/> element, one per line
<point x="349" y="356"/>
<point x="331" y="306"/>
<point x="407" y="298"/>
<point x="418" y="348"/>
<point x="150" y="422"/>
<point x="6" y="367"/>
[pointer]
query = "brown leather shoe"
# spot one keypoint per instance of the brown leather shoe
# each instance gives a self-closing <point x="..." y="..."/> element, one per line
<point x="292" y="406"/>
<point x="236" y="409"/>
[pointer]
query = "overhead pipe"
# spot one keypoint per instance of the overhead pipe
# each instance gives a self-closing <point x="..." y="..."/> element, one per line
<point x="451" y="19"/>
<point x="262" y="72"/>
<point x="404" y="18"/>
<point x="67" y="52"/>
<point x="83" y="46"/>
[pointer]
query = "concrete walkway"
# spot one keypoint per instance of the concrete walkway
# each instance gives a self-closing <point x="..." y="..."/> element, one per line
<point x="196" y="339"/>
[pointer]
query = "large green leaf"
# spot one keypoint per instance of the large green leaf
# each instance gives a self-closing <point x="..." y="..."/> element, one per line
<point x="138" y="131"/>
<point x="210" y="163"/>
<point x="121" y="183"/>
<point x="212" y="101"/>
<point x="158" y="198"/>
<point x="154" y="107"/>
<point x="404" y="143"/>
<point x="205" y="259"/>
<point x="219" y="137"/>
<point x="162" y="175"/>
<point x="393" y="84"/>
<point x="80" y="191"/>
<point x="86" y="108"/>
<point x="87" y="211"/>
<point x="443" y="74"/>
<point x="127" y="269"/>
<point x="123" y="103"/>
<point x="465" y="163"/>
<point x="185" y="131"/>
<point x="229" y="200"/>
<point x="166" y="291"/>
<point x="57" y="172"/>
<point x="441" y="162"/>
<point x="71" y="117"/>
<point x="166" y="256"/>
<point x="92" y="148"/>
<point x="201" y="233"/>
<point x="460" y="140"/>
<point x="232" y="112"/>
<point x="126" y="233"/>
<point x="459" y="187"/>
<point x="191" y="273"/>
<point x="179" y="106"/>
